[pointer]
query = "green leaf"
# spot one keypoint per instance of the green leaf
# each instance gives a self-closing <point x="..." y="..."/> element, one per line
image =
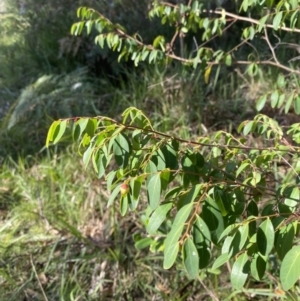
<point x="228" y="230"/>
<point x="125" y="200"/>
<point x="158" y="217"/>
<point x="274" y="98"/>
<point x="281" y="101"/>
<point x="277" y="20"/>
<point x="143" y="243"/>
<point x="248" y="127"/>
<point x="202" y="241"/>
<point x="52" y="132"/>
<point x="61" y="130"/>
<point x="222" y="201"/>
<point x="262" y="22"/>
<point x="261" y="102"/>
<point x="258" y="267"/>
<point x="189" y="161"/>
<point x="113" y="195"/>
<point x="190" y="196"/>
<point x="239" y="272"/>
<point x="100" y="163"/>
<point x="136" y="185"/>
<point x="213" y="218"/>
<point x="109" y="179"/>
<point x="284" y="240"/>
<point x="165" y="177"/>
<point x="239" y="239"/>
<point x="297" y="105"/>
<point x="122" y="150"/>
<point x="265" y="237"/>
<point x="190" y="258"/>
<point x="289" y="271"/>
<point x="154" y="191"/>
<point x="242" y="167"/>
<point x="281" y="81"/>
<point x="228" y="60"/>
<point x="288" y="103"/>
<point x="87" y="155"/>
<point x="293" y="199"/>
<point x="172" y="239"/>
<point x="223" y="258"/>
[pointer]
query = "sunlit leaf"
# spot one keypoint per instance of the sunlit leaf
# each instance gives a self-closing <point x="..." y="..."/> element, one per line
<point x="172" y="239"/>
<point x="265" y="237"/>
<point x="239" y="272"/>
<point x="258" y="267"/>
<point x="289" y="271"/>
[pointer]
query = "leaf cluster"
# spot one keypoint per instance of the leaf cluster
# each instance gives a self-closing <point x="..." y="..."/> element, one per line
<point x="216" y="193"/>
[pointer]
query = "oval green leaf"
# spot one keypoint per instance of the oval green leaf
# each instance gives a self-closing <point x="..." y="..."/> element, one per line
<point x="154" y="190"/>
<point x="289" y="271"/>
<point x="265" y="237"/>
<point x="191" y="258"/>
<point x="240" y="270"/>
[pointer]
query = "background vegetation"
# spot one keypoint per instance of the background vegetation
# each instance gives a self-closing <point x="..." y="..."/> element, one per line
<point x="58" y="239"/>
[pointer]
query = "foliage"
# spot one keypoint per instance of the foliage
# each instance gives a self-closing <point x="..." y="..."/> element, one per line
<point x="216" y="191"/>
<point x="193" y="18"/>
<point x="214" y="188"/>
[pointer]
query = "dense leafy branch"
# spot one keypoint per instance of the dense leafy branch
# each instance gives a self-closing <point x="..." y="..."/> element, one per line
<point x="216" y="190"/>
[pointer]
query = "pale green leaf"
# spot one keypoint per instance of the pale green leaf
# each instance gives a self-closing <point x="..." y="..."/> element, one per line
<point x="288" y="103"/>
<point x="172" y="239"/>
<point x="239" y="272"/>
<point x="191" y="258"/>
<point x="158" y="217"/>
<point x="261" y="102"/>
<point x="290" y="271"/>
<point x="277" y="20"/>
<point x="222" y="259"/>
<point x="154" y="191"/>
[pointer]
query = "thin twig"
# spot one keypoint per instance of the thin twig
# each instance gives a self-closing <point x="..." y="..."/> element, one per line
<point x="270" y="46"/>
<point x="38" y="279"/>
<point x="250" y="20"/>
<point x="210" y="292"/>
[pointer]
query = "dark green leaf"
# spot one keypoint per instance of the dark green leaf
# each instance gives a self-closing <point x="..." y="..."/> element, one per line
<point x="284" y="240"/>
<point x="258" y="267"/>
<point x="121" y="148"/>
<point x="213" y="218"/>
<point x="202" y="241"/>
<point x="265" y="237"/>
